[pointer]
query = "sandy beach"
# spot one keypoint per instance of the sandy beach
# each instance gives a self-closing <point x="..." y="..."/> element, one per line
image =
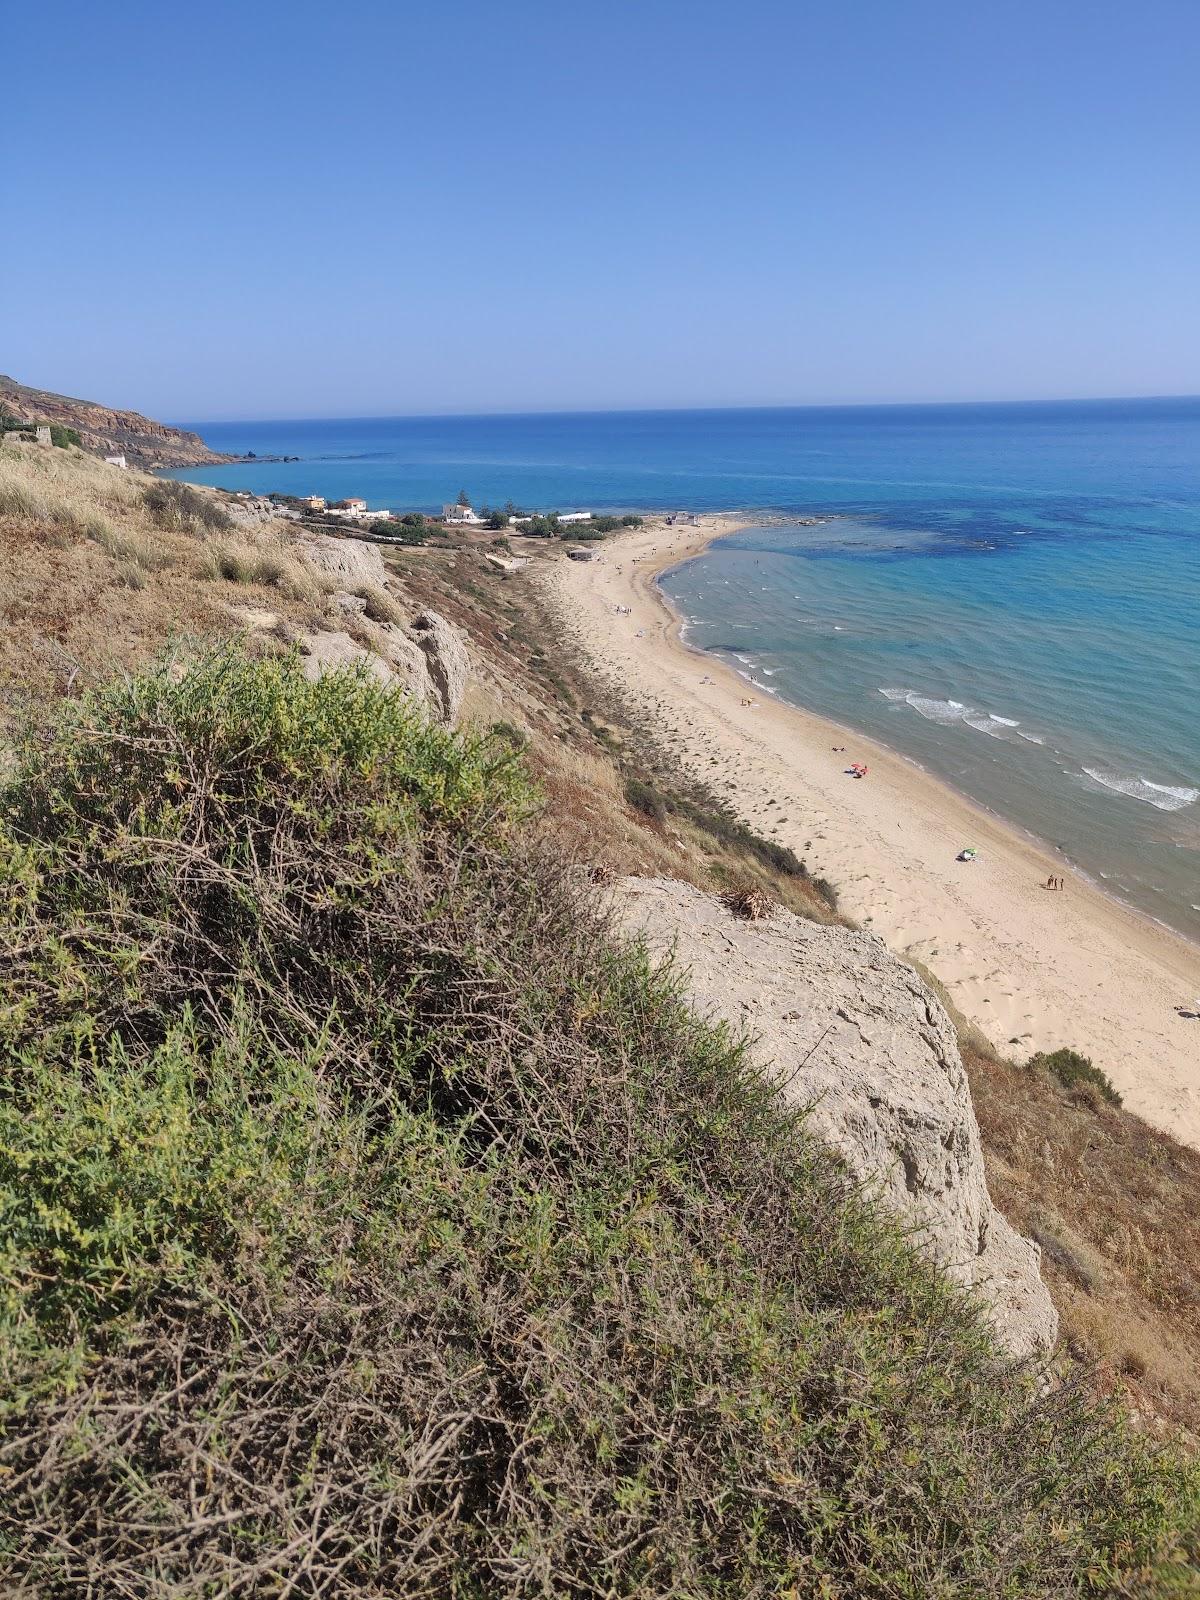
<point x="1033" y="968"/>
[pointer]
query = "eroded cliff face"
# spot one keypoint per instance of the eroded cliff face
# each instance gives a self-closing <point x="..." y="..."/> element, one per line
<point x="854" y="1034"/>
<point x="104" y="431"/>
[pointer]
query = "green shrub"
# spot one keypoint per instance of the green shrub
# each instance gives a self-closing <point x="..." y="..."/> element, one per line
<point x="373" y="1223"/>
<point x="644" y="797"/>
<point x="412" y="528"/>
<point x="64" y="437"/>
<point x="827" y="891"/>
<point x="509" y="732"/>
<point x="1072" y="1069"/>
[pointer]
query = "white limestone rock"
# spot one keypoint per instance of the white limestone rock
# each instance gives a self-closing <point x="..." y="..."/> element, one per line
<point x="351" y="561"/>
<point x="854" y="1033"/>
<point x="329" y="651"/>
<point x="428" y="659"/>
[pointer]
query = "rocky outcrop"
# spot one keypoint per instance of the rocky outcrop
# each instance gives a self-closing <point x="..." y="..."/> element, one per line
<point x="427" y="656"/>
<point x="854" y="1034"/>
<point x="446" y="661"/>
<point x="103" y="431"/>
<point x="351" y="561"/>
<point x="427" y="659"/>
<point x="330" y="651"/>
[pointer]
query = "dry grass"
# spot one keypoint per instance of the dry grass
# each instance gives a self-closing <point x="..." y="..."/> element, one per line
<point x="749" y="902"/>
<point x="589" y="752"/>
<point x="1115" y="1205"/>
<point x="135" y="549"/>
<point x="184" y="509"/>
<point x="98" y="575"/>
<point x="64" y="488"/>
<point x="380" y="605"/>
<point x="264" y="562"/>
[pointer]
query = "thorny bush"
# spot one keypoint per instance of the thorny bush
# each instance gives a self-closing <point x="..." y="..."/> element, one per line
<point x="376" y="1224"/>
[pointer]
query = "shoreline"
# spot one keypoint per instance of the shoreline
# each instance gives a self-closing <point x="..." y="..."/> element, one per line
<point x="872" y="741"/>
<point x="1032" y="969"/>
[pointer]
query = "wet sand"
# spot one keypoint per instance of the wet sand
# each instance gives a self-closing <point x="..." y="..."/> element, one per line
<point x="1033" y="968"/>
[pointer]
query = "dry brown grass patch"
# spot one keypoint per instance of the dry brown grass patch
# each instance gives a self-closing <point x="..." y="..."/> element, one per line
<point x="95" y="585"/>
<point x="380" y="605"/>
<point x="1115" y="1205"/>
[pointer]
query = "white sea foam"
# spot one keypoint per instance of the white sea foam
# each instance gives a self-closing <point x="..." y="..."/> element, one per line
<point x="951" y="711"/>
<point x="1162" y="796"/>
<point x="1034" y="738"/>
<point x="988" y="722"/>
<point x="937" y="710"/>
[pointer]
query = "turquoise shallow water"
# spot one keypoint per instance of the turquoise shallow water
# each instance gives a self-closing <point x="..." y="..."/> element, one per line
<point x="1009" y="594"/>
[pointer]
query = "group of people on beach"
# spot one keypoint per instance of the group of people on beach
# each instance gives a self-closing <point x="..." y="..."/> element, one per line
<point x="1056" y="883"/>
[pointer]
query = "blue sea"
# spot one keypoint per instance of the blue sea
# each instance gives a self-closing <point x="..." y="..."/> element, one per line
<point x="1009" y="594"/>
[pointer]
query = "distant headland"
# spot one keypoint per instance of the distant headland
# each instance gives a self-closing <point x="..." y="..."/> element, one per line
<point x="103" y="431"/>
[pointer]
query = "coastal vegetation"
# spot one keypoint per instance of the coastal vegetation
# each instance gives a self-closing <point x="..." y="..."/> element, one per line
<point x="215" y="1199"/>
<point x="186" y="510"/>
<point x="375" y="1218"/>
<point x="549" y="527"/>
<point x="1072" y="1068"/>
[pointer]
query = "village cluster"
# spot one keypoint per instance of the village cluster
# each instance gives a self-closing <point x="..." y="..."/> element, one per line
<point x="354" y="509"/>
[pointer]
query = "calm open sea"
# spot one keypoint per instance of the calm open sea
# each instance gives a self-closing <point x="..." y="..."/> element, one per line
<point x="1010" y="594"/>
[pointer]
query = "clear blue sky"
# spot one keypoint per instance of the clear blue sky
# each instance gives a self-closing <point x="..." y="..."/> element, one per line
<point x="256" y="210"/>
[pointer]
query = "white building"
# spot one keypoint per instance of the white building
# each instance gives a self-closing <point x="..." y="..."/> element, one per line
<point x="465" y="514"/>
<point x="356" y="510"/>
<point x="116" y="461"/>
<point x="575" y="516"/>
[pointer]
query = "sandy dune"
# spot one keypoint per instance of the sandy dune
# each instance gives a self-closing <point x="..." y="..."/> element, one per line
<point x="1033" y="968"/>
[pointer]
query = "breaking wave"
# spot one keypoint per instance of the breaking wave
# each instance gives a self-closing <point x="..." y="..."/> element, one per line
<point x="1162" y="796"/>
<point x="951" y="711"/>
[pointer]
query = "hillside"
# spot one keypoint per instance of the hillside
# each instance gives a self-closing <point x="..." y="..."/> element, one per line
<point x="103" y="431"/>
<point x="380" y="1219"/>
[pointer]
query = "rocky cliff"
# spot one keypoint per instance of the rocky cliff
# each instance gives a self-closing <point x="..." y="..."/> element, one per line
<point x="103" y="431"/>
<point x="854" y="1034"/>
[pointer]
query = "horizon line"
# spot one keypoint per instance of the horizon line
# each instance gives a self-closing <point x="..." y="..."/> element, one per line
<point x="617" y="411"/>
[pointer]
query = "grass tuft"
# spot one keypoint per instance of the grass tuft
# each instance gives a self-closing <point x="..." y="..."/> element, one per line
<point x="183" y="509"/>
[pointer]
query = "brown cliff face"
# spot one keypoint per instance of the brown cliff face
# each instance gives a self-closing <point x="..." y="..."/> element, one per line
<point x="106" y="432"/>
